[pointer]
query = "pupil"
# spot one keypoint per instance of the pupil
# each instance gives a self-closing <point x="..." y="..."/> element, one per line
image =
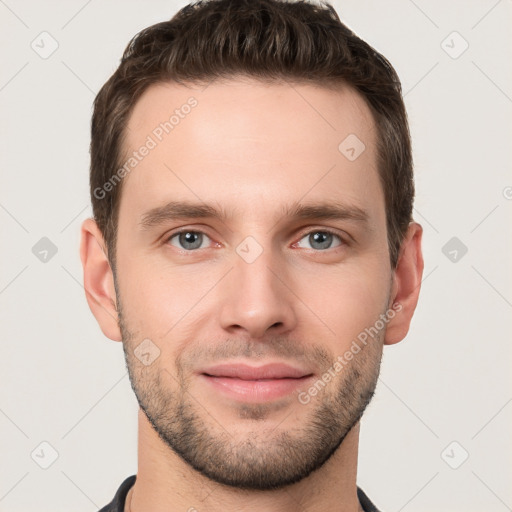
<point x="322" y="238"/>
<point x="190" y="240"/>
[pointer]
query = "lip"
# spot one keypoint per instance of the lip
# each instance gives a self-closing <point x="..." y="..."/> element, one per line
<point x="255" y="384"/>
<point x="246" y="372"/>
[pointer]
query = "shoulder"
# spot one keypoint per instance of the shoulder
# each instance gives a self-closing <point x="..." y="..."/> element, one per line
<point x="117" y="503"/>
<point x="366" y="503"/>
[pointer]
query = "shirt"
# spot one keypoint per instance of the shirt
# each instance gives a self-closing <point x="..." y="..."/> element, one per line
<point x="117" y="504"/>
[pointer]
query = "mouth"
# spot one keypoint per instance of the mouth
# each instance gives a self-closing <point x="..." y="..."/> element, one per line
<point x="255" y="384"/>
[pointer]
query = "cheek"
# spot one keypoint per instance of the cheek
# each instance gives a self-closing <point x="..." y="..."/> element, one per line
<point x="331" y="301"/>
<point x="158" y="301"/>
<point x="347" y="300"/>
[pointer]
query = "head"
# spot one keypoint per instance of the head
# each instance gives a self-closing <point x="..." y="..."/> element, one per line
<point x="252" y="191"/>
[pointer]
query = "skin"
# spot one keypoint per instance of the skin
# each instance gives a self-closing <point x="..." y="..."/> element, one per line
<point x="251" y="149"/>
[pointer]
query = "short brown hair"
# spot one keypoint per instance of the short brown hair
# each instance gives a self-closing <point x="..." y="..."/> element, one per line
<point x="269" y="40"/>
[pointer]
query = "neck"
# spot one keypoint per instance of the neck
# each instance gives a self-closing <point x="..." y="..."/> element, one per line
<point x="165" y="482"/>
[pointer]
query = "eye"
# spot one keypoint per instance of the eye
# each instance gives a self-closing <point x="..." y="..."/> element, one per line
<point x="320" y="240"/>
<point x="188" y="240"/>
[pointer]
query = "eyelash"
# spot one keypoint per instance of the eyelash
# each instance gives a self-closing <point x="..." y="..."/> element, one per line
<point x="343" y="241"/>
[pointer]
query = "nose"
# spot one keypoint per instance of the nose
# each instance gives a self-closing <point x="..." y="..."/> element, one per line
<point x="257" y="298"/>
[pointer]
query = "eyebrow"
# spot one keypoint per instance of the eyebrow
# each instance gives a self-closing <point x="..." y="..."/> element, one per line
<point x="181" y="210"/>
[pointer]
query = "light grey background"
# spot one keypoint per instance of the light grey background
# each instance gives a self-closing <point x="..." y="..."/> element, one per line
<point x="64" y="383"/>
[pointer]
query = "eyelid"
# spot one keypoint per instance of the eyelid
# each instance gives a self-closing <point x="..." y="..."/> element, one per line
<point x="167" y="237"/>
<point x="305" y="232"/>
<point x="308" y="231"/>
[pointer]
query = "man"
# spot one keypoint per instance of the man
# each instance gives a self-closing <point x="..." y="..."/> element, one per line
<point x="253" y="248"/>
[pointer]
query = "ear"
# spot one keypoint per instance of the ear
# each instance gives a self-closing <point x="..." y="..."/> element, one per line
<point x="99" y="280"/>
<point x="406" y="285"/>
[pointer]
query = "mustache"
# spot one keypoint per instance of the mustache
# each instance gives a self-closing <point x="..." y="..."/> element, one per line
<point x="266" y="349"/>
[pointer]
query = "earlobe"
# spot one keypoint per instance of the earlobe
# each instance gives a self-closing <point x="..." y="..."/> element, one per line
<point x="406" y="285"/>
<point x="99" y="280"/>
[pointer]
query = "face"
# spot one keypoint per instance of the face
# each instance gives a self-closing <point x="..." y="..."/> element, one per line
<point x="248" y="236"/>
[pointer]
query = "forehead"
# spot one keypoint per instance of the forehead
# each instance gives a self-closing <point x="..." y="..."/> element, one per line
<point x="248" y="145"/>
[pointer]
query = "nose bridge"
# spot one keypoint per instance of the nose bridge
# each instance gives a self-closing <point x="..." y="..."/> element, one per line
<point x="256" y="298"/>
